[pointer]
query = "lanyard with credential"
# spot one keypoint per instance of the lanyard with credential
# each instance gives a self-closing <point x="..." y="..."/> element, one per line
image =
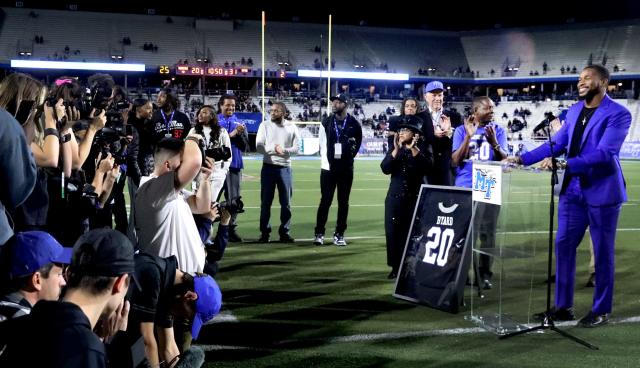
<point x="166" y="123"/>
<point x="335" y="126"/>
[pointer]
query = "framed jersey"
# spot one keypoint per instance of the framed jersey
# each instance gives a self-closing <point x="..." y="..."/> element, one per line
<point x="437" y="253"/>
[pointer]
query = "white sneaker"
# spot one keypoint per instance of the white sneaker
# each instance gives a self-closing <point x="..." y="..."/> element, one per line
<point x="338" y="239"/>
<point x="318" y="239"/>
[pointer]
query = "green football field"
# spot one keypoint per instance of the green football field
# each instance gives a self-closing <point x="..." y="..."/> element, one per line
<point x="291" y="305"/>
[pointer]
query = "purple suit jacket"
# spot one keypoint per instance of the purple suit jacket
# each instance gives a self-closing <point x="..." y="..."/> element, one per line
<point x="597" y="164"/>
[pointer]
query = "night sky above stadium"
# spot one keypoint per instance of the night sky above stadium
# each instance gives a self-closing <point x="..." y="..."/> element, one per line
<point x="433" y="15"/>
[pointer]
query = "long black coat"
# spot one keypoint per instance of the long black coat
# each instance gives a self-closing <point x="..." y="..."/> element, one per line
<point x="406" y="173"/>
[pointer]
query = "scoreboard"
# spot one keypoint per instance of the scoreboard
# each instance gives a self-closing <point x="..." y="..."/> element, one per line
<point x="212" y="71"/>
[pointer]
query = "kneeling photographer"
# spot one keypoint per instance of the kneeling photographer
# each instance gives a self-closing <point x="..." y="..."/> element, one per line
<point x="216" y="145"/>
<point x="170" y="297"/>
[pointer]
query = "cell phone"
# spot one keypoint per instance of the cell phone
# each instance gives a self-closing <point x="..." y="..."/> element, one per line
<point x="24" y="110"/>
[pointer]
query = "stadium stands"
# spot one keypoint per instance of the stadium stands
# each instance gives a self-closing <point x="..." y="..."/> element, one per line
<point x="99" y="35"/>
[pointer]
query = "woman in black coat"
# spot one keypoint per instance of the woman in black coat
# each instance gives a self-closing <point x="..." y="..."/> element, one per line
<point x="407" y="166"/>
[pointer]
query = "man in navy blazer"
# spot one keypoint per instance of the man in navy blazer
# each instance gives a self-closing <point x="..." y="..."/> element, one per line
<point x="592" y="193"/>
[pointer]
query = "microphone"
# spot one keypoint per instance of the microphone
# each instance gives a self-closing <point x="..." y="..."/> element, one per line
<point x="192" y="358"/>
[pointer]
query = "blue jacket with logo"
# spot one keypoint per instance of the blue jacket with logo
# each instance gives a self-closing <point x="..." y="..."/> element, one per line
<point x="239" y="143"/>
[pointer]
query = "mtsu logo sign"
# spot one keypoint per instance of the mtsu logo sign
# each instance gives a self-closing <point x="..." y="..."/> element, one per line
<point x="487" y="181"/>
<point x="484" y="183"/>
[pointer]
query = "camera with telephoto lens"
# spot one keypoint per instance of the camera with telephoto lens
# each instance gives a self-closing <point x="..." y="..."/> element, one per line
<point x="235" y="205"/>
<point x="112" y="141"/>
<point x="100" y="99"/>
<point x="218" y="153"/>
<point x="51" y="101"/>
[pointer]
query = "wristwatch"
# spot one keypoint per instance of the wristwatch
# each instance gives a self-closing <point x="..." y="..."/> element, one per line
<point x="65" y="138"/>
<point x="497" y="147"/>
<point x="51" y="131"/>
<point x="192" y="138"/>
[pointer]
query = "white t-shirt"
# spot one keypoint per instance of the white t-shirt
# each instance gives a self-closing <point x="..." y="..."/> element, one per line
<point x="165" y="224"/>
<point x="221" y="167"/>
<point x="223" y="141"/>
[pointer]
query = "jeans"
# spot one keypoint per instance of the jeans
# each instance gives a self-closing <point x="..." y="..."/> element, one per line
<point x="273" y="176"/>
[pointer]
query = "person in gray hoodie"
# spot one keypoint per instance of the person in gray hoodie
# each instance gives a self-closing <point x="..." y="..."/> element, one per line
<point x="277" y="140"/>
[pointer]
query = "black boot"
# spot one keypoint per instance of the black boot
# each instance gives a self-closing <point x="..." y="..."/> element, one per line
<point x="233" y="235"/>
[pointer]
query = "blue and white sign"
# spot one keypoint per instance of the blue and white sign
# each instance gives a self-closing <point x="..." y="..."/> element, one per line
<point x="630" y="150"/>
<point x="487" y="183"/>
<point x="250" y="120"/>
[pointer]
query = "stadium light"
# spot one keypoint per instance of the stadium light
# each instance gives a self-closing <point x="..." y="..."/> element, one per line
<point x="69" y="65"/>
<point x="353" y="75"/>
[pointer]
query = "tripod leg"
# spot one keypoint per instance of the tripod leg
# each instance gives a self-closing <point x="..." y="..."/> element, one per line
<point x="576" y="339"/>
<point x="522" y="332"/>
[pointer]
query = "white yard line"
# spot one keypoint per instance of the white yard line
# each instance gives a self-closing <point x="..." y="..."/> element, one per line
<point x="400" y="335"/>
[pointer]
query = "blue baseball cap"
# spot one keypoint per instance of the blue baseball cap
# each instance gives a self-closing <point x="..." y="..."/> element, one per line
<point x="31" y="250"/>
<point x="434" y="86"/>
<point x="208" y="303"/>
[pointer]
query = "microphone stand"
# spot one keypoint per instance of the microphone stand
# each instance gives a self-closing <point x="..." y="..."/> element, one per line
<point x="547" y="323"/>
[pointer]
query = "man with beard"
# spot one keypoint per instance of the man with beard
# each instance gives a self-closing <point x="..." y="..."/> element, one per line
<point x="277" y="140"/>
<point x="239" y="143"/>
<point x="168" y="122"/>
<point x="340" y="140"/>
<point x="592" y="193"/>
<point x="480" y="139"/>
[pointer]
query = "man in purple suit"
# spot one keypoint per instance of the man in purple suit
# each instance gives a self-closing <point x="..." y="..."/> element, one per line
<point x="592" y="193"/>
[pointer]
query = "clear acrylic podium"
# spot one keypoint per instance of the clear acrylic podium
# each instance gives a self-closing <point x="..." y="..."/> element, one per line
<point x="518" y="256"/>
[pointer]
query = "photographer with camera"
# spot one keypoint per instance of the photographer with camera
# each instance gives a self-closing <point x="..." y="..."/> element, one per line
<point x="164" y="210"/>
<point x="107" y="173"/>
<point x="112" y="137"/>
<point x="72" y="94"/>
<point x="27" y="108"/>
<point x="71" y="200"/>
<point x="340" y="140"/>
<point x="217" y="146"/>
<point x="407" y="165"/>
<point x="167" y="297"/>
<point x="239" y="143"/>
